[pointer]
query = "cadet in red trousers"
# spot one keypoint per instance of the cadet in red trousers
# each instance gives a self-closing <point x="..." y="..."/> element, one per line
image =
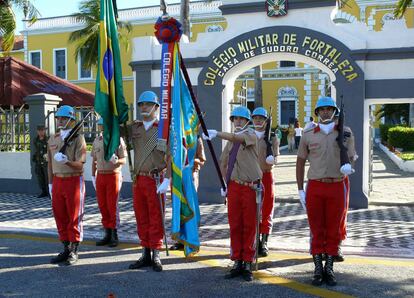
<point x="327" y="190"/>
<point x="66" y="185"/>
<point x="107" y="180"/>
<point x="148" y="160"/>
<point x="239" y="161"/>
<point x="267" y="163"/>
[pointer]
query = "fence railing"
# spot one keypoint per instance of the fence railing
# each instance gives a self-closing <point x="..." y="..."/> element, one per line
<point x="14" y="129"/>
<point x="15" y="133"/>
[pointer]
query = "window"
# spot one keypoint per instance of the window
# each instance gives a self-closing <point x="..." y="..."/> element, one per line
<point x="287" y="63"/>
<point x="84" y="73"/>
<point x="287" y="111"/>
<point x="60" y="63"/>
<point x="36" y="58"/>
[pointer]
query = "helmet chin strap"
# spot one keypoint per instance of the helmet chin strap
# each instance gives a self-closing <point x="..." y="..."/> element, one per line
<point x="240" y="129"/>
<point x="326" y="121"/>
<point x="146" y="114"/>
<point x="64" y="127"/>
<point x="260" y="126"/>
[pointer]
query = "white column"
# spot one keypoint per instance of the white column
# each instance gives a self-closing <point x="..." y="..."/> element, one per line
<point x="308" y="97"/>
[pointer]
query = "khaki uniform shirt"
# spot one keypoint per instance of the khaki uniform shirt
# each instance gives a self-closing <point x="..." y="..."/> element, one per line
<point x="246" y="168"/>
<point x="262" y="153"/>
<point x="99" y="155"/>
<point x="322" y="151"/>
<point x="76" y="151"/>
<point x="140" y="137"/>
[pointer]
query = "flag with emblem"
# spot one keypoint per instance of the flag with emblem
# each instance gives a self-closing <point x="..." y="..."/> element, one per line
<point x="276" y="8"/>
<point x="109" y="95"/>
<point x="183" y="145"/>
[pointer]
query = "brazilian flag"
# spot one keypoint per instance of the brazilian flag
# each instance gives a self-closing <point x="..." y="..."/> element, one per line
<point x="109" y="94"/>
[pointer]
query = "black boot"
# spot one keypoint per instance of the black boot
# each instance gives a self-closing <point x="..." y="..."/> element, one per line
<point x="177" y="246"/>
<point x="329" y="273"/>
<point x="156" y="261"/>
<point x="263" y="250"/>
<point x="236" y="270"/>
<point x="247" y="271"/>
<point x="113" y="241"/>
<point x="318" y="273"/>
<point x="143" y="261"/>
<point x="73" y="255"/>
<point x="340" y="256"/>
<point x="63" y="256"/>
<point x="106" y="239"/>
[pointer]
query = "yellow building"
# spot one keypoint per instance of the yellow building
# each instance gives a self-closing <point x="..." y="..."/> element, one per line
<point x="291" y="88"/>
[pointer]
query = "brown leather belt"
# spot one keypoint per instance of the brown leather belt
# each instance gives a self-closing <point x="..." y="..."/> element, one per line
<point x="329" y="180"/>
<point x="107" y="172"/>
<point x="66" y="175"/>
<point x="249" y="184"/>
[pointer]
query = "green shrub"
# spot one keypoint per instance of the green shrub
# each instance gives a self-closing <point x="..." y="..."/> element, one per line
<point x="401" y="137"/>
<point x="407" y="156"/>
<point x="384" y="131"/>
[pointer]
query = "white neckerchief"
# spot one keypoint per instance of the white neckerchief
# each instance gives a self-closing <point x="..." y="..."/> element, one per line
<point x="327" y="128"/>
<point x="64" y="133"/>
<point x="259" y="134"/>
<point x="148" y="124"/>
<point x="240" y="131"/>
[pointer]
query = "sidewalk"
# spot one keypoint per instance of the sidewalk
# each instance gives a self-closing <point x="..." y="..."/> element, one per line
<point x="377" y="231"/>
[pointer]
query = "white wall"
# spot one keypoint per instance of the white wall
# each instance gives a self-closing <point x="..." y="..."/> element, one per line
<point x="16" y="165"/>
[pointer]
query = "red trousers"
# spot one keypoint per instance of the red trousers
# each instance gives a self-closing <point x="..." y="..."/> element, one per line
<point x="68" y="199"/>
<point x="242" y="220"/>
<point x="267" y="204"/>
<point x="345" y="215"/>
<point x="325" y="204"/>
<point x="148" y="212"/>
<point x="107" y="192"/>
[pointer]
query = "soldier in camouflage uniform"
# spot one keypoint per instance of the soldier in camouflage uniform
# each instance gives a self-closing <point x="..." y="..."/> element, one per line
<point x="39" y="159"/>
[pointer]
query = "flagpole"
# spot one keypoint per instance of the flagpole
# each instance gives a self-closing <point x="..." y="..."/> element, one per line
<point x="203" y="124"/>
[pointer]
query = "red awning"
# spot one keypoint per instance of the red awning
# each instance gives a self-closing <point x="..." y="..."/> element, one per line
<point x="19" y="79"/>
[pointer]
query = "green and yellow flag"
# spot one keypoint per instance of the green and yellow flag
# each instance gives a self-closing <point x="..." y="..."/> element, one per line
<point x="109" y="94"/>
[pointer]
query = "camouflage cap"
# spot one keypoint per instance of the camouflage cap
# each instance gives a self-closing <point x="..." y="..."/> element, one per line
<point x="41" y="126"/>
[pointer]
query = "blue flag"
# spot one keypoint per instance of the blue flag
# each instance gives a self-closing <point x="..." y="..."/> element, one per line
<point x="183" y="145"/>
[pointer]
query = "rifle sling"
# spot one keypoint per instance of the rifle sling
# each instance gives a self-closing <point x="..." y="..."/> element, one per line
<point x="148" y="148"/>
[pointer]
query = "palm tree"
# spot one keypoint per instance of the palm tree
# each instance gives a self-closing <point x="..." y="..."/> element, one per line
<point x="401" y="7"/>
<point x="8" y="19"/>
<point x="86" y="39"/>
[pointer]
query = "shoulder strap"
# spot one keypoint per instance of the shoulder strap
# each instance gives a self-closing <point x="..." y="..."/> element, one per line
<point x="148" y="148"/>
<point x="232" y="160"/>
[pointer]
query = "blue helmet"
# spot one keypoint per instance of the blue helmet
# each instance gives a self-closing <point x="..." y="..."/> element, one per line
<point x="148" y="96"/>
<point x="66" y="111"/>
<point x="100" y="121"/>
<point x="325" y="101"/>
<point x="240" y="112"/>
<point x="260" y="111"/>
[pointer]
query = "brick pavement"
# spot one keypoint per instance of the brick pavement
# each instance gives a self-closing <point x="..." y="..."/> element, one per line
<point x="379" y="230"/>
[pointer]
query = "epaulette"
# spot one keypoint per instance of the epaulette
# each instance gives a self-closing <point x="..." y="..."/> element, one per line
<point x="138" y="123"/>
<point x="57" y="135"/>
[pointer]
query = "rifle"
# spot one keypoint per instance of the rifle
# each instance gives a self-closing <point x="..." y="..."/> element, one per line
<point x="268" y="135"/>
<point x="341" y="135"/>
<point x="157" y="183"/>
<point x="259" y="192"/>
<point x="73" y="133"/>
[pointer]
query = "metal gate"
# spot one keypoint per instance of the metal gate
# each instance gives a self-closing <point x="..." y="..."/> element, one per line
<point x="14" y="129"/>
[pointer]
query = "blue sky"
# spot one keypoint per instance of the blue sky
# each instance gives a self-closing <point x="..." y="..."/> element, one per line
<point x="52" y="8"/>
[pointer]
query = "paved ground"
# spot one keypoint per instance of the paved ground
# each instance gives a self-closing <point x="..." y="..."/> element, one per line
<point x="380" y="231"/>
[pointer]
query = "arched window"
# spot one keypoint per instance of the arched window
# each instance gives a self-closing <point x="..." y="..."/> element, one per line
<point x="287" y="100"/>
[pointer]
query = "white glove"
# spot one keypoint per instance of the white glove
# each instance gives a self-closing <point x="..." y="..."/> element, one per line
<point x="61" y="158"/>
<point x="270" y="160"/>
<point x="212" y="133"/>
<point x="114" y="159"/>
<point x="347" y="169"/>
<point x="163" y="186"/>
<point x="94" y="182"/>
<point x="302" y="198"/>
<point x="50" y="190"/>
<point x="223" y="192"/>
